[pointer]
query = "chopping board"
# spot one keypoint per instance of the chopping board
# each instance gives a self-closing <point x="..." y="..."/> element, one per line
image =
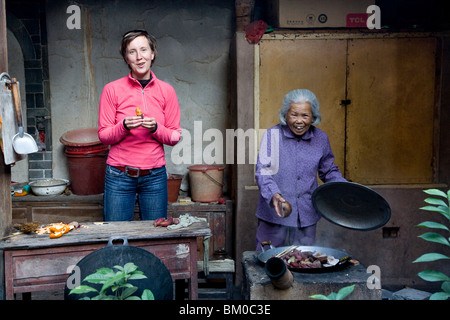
<point x="8" y="124"/>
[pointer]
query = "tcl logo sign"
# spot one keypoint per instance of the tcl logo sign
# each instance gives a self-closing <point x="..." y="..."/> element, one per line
<point x="371" y="19"/>
<point x="357" y="20"/>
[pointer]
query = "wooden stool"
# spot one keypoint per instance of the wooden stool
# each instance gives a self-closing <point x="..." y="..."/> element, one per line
<point x="218" y="269"/>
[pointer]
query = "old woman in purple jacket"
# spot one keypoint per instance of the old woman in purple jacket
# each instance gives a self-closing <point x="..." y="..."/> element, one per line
<point x="291" y="155"/>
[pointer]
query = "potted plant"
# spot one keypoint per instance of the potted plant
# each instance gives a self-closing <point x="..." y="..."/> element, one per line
<point x="340" y="295"/>
<point x="438" y="203"/>
<point x="115" y="285"/>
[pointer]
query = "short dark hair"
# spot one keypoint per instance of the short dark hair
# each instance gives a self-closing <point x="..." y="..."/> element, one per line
<point x="133" y="34"/>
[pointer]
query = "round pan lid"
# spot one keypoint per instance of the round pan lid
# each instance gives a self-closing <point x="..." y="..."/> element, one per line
<point x="351" y="205"/>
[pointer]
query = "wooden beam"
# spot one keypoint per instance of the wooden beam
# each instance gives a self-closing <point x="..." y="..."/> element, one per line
<point x="5" y="170"/>
<point x="3" y="49"/>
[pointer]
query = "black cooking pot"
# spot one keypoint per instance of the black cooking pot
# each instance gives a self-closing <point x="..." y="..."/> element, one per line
<point x="158" y="280"/>
<point x="351" y="205"/>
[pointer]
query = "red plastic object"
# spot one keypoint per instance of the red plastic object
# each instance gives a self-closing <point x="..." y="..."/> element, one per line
<point x="255" y="30"/>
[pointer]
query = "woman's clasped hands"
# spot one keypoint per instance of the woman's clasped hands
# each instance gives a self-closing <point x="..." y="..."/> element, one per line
<point x="137" y="121"/>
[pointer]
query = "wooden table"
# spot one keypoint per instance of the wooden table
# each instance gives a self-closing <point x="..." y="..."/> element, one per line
<point x="31" y="262"/>
<point x="89" y="208"/>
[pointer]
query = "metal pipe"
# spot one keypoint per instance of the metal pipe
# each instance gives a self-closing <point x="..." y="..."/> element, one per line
<point x="280" y="276"/>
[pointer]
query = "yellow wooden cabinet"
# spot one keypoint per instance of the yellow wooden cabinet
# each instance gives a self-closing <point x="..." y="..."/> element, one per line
<point x="376" y="95"/>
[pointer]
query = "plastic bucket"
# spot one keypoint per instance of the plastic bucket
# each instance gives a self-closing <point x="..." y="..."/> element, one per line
<point x="206" y="182"/>
<point x="87" y="172"/>
<point x="86" y="159"/>
<point x="173" y="186"/>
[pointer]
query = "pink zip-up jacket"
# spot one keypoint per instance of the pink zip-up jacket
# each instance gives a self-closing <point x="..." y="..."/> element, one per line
<point x="138" y="148"/>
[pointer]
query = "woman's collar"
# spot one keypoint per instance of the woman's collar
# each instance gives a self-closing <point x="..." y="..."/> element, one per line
<point x="289" y="134"/>
<point x="152" y="78"/>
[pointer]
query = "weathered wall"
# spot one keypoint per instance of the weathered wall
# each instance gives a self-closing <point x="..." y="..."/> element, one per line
<point x="193" y="56"/>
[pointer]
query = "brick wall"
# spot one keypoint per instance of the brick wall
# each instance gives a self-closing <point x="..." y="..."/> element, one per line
<point x="26" y="20"/>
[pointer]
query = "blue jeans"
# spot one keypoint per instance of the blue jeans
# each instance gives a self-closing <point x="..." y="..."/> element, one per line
<point x="120" y="195"/>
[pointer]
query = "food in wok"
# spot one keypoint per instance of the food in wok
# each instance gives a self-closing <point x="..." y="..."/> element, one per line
<point x="296" y="258"/>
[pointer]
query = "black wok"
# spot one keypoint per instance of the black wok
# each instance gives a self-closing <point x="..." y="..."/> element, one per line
<point x="158" y="280"/>
<point x="351" y="205"/>
<point x="338" y="254"/>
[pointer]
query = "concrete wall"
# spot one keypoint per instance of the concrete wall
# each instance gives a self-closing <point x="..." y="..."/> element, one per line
<point x="193" y="56"/>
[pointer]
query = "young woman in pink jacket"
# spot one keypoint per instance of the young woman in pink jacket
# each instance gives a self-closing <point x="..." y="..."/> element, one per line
<point x="136" y="160"/>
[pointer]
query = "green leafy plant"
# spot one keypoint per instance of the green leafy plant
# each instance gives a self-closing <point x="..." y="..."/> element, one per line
<point x="115" y="284"/>
<point x="439" y="203"/>
<point x="340" y="295"/>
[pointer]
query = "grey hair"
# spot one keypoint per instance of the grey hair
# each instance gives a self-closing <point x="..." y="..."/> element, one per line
<point x="298" y="96"/>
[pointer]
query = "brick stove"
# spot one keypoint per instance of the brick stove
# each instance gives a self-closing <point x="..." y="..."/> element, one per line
<point x="258" y="286"/>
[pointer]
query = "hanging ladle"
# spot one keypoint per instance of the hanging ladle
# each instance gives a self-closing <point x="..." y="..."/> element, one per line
<point x="23" y="143"/>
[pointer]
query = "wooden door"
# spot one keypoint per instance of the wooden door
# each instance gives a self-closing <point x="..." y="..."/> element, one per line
<point x="317" y="65"/>
<point x="391" y="85"/>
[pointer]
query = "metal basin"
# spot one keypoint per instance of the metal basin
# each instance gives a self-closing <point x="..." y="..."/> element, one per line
<point x="48" y="187"/>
